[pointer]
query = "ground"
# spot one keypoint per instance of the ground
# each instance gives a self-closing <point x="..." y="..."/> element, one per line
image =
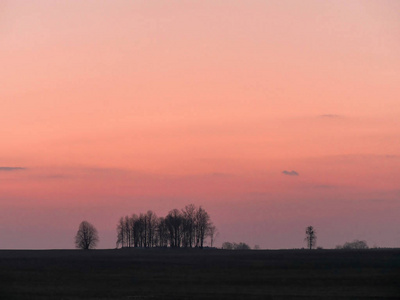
<point x="199" y="274"/>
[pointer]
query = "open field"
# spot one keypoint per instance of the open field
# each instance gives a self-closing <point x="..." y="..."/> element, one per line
<point x="199" y="274"/>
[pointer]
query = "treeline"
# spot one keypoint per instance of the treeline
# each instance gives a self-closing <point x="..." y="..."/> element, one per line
<point x="356" y="244"/>
<point x="188" y="227"/>
<point x="236" y="246"/>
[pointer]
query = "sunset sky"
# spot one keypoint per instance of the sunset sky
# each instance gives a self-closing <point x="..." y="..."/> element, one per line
<point x="272" y="115"/>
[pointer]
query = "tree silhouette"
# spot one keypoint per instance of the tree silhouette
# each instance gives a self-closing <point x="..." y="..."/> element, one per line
<point x="311" y="237"/>
<point x="87" y="237"/>
<point x="235" y="246"/>
<point x="188" y="227"/>
<point x="174" y="222"/>
<point x="203" y="223"/>
<point x="212" y="233"/>
<point x="356" y="244"/>
<point x="227" y="245"/>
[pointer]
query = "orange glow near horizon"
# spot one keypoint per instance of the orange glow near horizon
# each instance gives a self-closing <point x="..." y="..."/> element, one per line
<point x="109" y="108"/>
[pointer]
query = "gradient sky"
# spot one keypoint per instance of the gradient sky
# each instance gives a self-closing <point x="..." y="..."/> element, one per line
<point x="109" y="108"/>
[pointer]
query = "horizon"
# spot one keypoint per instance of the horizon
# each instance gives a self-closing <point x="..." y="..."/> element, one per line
<point x="271" y="115"/>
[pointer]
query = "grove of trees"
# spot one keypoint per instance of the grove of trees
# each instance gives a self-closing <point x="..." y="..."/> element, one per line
<point x="87" y="236"/>
<point x="356" y="244"/>
<point x="188" y="227"/>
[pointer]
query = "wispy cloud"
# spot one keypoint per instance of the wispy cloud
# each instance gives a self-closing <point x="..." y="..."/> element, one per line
<point x="220" y="174"/>
<point x="53" y="176"/>
<point x="391" y="156"/>
<point x="325" y="186"/>
<point x="57" y="176"/>
<point x="364" y="158"/>
<point x="332" y="116"/>
<point x="105" y="170"/>
<point x="10" y="169"/>
<point x="290" y="173"/>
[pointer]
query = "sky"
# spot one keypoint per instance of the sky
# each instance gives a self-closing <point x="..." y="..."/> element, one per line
<point x="272" y="115"/>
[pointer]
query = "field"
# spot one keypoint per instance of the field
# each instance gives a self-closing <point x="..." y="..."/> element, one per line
<point x="199" y="274"/>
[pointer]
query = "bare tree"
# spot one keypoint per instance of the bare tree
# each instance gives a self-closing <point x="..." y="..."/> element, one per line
<point x="128" y="231"/>
<point x="151" y="219"/>
<point x="202" y="224"/>
<point x="311" y="237"/>
<point x="174" y="222"/>
<point x="227" y="245"/>
<point x="189" y="224"/>
<point x="121" y="239"/>
<point x="212" y="233"/>
<point x="162" y="232"/>
<point x="87" y="236"/>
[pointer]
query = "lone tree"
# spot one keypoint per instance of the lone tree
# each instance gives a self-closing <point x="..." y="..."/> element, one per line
<point x="87" y="237"/>
<point x="311" y="237"/>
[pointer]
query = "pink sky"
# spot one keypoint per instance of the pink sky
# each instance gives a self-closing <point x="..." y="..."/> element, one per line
<point x="115" y="107"/>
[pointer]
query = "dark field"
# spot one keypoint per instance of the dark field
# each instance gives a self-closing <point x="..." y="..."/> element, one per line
<point x="199" y="274"/>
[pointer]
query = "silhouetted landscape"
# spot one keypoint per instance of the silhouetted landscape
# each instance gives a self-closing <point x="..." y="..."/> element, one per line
<point x="188" y="228"/>
<point x="165" y="273"/>
<point x="210" y="149"/>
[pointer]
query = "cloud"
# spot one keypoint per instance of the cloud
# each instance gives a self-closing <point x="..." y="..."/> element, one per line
<point x="330" y="116"/>
<point x="57" y="176"/>
<point x="106" y="170"/>
<point x="52" y="176"/>
<point x="325" y="186"/>
<point x="391" y="156"/>
<point x="219" y="174"/>
<point x="10" y="169"/>
<point x="361" y="158"/>
<point x="290" y="173"/>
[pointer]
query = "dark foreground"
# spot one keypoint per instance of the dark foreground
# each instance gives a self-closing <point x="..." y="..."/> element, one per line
<point x="199" y="274"/>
